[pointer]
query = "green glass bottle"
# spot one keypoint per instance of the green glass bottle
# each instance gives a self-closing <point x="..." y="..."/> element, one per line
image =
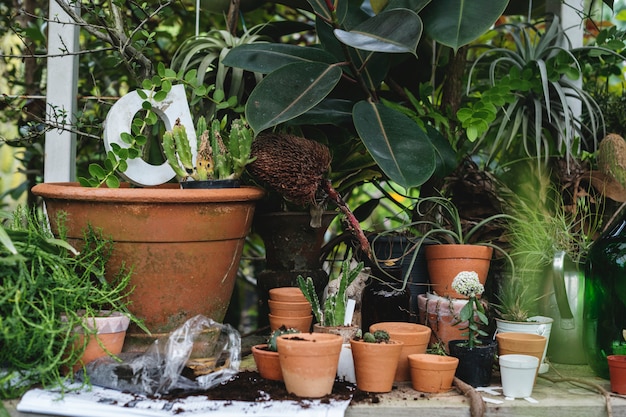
<point x="604" y="311"/>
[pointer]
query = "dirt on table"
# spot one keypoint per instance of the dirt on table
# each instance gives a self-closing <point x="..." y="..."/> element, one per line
<point x="249" y="386"/>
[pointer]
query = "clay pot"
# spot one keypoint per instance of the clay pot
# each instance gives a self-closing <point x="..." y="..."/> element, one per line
<point x="521" y="344"/>
<point x="267" y="362"/>
<point x="166" y="235"/>
<point x="375" y="364"/>
<point x="432" y="373"/>
<point x="617" y="372"/>
<point x="109" y="338"/>
<point x="289" y="294"/>
<point x="540" y="325"/>
<point x="303" y="324"/>
<point x="415" y="338"/>
<point x="446" y="261"/>
<point x="289" y="308"/>
<point x="309" y="362"/>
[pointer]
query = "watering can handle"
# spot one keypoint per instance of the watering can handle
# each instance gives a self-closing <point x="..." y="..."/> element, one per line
<point x="560" y="265"/>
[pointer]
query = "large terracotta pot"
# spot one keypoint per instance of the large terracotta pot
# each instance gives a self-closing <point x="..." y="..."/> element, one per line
<point x="617" y="373"/>
<point x="309" y="362"/>
<point x="183" y="246"/>
<point x="415" y="338"/>
<point x="446" y="261"/>
<point x="375" y="364"/>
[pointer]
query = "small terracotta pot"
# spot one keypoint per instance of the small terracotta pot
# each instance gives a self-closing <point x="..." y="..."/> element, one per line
<point x="302" y="324"/>
<point x="309" y="362"/>
<point x="415" y="338"/>
<point x="432" y="373"/>
<point x="286" y="294"/>
<point x="346" y="332"/>
<point x="289" y="308"/>
<point x="446" y="261"/>
<point x="267" y="362"/>
<point x="375" y="364"/>
<point x="617" y="372"/>
<point x="108" y="340"/>
<point x="521" y="344"/>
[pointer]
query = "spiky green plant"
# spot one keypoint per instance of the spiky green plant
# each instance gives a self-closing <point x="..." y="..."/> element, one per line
<point x="333" y="311"/>
<point x="519" y="95"/>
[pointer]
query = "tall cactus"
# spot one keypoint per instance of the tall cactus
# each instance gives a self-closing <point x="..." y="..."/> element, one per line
<point x="334" y="310"/>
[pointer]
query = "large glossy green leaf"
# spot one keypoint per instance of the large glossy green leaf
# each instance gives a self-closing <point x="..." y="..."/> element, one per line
<point x="399" y="146"/>
<point x="458" y="22"/>
<point x="267" y="57"/>
<point x="289" y="92"/>
<point x="320" y="8"/>
<point x="392" y="31"/>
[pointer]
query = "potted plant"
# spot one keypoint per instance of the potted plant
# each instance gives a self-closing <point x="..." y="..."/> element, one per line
<point x="266" y="355"/>
<point x="308" y="362"/>
<point x="375" y="360"/>
<point x="161" y="232"/>
<point x="53" y="294"/>
<point x="335" y="313"/>
<point x="513" y="313"/>
<point x="476" y="353"/>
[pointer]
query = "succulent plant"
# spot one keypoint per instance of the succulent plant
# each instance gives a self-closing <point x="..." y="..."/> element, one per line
<point x="271" y="342"/>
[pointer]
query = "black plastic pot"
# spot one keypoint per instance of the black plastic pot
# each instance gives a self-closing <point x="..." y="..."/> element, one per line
<point x="476" y="364"/>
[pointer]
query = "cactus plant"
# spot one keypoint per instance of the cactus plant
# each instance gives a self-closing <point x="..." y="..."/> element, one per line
<point x="217" y="158"/>
<point x="271" y="342"/>
<point x="333" y="311"/>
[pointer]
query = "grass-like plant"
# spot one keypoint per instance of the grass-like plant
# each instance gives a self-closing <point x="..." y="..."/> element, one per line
<point x="44" y="279"/>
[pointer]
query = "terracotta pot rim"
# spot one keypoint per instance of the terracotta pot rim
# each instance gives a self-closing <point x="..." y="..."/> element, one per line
<point x="439" y="362"/>
<point x="262" y="347"/>
<point x="392" y="342"/>
<point x="401" y="329"/>
<point x="468" y="250"/>
<point x="290" y="317"/>
<point x="166" y="193"/>
<point x="520" y="336"/>
<point x="287" y="304"/>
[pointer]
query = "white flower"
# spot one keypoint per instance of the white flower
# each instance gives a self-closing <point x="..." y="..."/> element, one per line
<point x="467" y="284"/>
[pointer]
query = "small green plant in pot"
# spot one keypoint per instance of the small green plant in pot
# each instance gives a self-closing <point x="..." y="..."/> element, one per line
<point x="332" y="312"/>
<point x="266" y="355"/>
<point x="476" y="353"/>
<point x="375" y="358"/>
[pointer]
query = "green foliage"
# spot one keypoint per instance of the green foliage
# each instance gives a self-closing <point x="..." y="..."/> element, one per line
<point x="218" y="159"/>
<point x="473" y="312"/>
<point x="519" y="94"/>
<point x="346" y="69"/>
<point x="333" y="311"/>
<point x="45" y="279"/>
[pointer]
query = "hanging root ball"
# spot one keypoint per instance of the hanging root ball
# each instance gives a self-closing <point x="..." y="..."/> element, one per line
<point x="612" y="157"/>
<point x="291" y="165"/>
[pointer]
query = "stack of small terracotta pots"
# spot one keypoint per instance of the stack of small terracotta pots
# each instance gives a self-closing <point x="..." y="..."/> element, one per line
<point x="289" y="308"/>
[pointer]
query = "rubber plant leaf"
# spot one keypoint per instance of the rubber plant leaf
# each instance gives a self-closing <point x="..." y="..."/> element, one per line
<point x="415" y="5"/>
<point x="392" y="31"/>
<point x="267" y="57"/>
<point x="399" y="146"/>
<point x="289" y="92"/>
<point x="455" y="23"/>
<point x="324" y="9"/>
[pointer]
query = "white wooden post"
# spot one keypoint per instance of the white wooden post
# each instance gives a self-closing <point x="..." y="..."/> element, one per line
<point x="62" y="89"/>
